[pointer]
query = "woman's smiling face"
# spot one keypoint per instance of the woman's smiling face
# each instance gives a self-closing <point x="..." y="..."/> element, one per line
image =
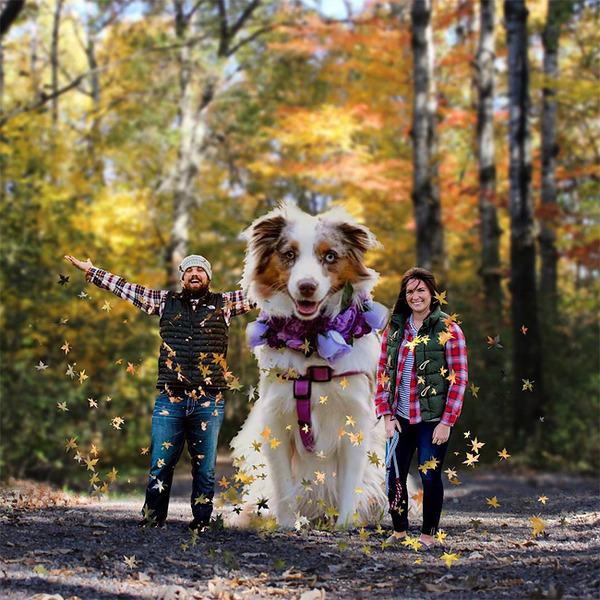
<point x="418" y="296"/>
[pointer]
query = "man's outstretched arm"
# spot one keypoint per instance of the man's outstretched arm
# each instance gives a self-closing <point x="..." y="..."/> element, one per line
<point x="141" y="297"/>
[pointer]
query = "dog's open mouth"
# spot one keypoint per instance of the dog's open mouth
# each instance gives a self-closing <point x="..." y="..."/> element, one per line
<point x="307" y="308"/>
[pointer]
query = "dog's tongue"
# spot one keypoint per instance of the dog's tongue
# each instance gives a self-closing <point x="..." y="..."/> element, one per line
<point x="306" y="308"/>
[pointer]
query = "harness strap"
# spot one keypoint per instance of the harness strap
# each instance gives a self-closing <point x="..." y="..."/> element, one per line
<point x="302" y="395"/>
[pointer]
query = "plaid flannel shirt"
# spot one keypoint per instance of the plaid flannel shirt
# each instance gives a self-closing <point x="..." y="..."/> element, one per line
<point x="153" y="301"/>
<point x="456" y="359"/>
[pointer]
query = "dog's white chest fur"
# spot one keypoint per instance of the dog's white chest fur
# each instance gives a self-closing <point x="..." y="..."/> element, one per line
<point x="300" y="266"/>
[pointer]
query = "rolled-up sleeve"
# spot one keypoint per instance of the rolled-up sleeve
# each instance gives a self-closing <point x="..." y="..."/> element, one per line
<point x="456" y="359"/>
<point x="382" y="394"/>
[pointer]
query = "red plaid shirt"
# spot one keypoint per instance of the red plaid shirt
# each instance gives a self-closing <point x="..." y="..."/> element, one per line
<point x="153" y="301"/>
<point x="456" y="359"/>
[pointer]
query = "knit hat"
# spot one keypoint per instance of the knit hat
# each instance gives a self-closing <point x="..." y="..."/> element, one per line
<point x="195" y="260"/>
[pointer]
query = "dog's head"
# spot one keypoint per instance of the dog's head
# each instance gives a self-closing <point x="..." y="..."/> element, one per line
<point x="297" y="264"/>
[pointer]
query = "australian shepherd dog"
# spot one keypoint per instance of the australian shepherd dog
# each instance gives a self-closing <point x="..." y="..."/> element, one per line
<point x="311" y="447"/>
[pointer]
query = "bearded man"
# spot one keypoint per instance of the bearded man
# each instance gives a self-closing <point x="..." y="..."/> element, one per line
<point x="191" y="379"/>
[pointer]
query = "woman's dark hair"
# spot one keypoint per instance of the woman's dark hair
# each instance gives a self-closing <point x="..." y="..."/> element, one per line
<point x="427" y="277"/>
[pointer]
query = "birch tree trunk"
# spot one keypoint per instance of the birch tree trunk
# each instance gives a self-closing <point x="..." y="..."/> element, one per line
<point x="199" y="84"/>
<point x="527" y="348"/>
<point x="425" y="195"/>
<point x="490" y="231"/>
<point x="54" y="64"/>
<point x="557" y="13"/>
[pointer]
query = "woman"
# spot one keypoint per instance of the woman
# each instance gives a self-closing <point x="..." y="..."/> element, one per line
<point x="421" y="383"/>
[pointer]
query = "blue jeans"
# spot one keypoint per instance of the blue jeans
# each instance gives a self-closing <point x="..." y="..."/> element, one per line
<point x="419" y="437"/>
<point x="173" y="423"/>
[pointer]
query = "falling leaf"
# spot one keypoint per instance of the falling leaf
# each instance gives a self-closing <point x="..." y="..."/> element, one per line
<point x="107" y="306"/>
<point x="70" y="371"/>
<point x="494" y="342"/>
<point x="266" y="432"/>
<point x="41" y="366"/>
<point x="145" y="450"/>
<point x="524" y="329"/>
<point x="305" y="347"/>
<point x="82" y="295"/>
<point x="543" y="499"/>
<point x="116" y="422"/>
<point x="131" y="563"/>
<point x="451" y="473"/>
<point x="504" y="454"/>
<point x="64" y="279"/>
<point x="538" y="525"/>
<point x="444" y="337"/>
<point x="274" y="442"/>
<point x="418" y="497"/>
<point x="527" y="385"/>
<point x="91" y="463"/>
<point x="449" y="558"/>
<point x="343" y="383"/>
<point x="62" y="406"/>
<point x="477" y="445"/>
<point x="440" y="536"/>
<point x="322" y="399"/>
<point x="82" y="376"/>
<point x="493" y="502"/>
<point x="471" y="460"/>
<point x="350" y="420"/>
<point x="474" y="390"/>
<point x="441" y="298"/>
<point x="92" y="403"/>
<point x="66" y="347"/>
<point x="112" y="475"/>
<point x="71" y="444"/>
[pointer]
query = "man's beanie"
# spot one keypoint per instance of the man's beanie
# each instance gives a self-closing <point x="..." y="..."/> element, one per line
<point x="195" y="260"/>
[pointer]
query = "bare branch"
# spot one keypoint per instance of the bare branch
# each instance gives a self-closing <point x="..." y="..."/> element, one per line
<point x="44" y="98"/>
<point x="244" y="17"/>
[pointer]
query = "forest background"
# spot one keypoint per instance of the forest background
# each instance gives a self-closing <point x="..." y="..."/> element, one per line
<point x="465" y="134"/>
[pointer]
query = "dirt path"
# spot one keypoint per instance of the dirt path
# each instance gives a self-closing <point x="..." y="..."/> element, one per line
<point x="78" y="550"/>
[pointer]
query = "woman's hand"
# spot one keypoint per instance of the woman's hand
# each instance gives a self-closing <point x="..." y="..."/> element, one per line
<point x="441" y="434"/>
<point x="82" y="266"/>
<point x="391" y="425"/>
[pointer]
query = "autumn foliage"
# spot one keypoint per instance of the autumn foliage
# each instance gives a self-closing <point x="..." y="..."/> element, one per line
<point x="310" y="108"/>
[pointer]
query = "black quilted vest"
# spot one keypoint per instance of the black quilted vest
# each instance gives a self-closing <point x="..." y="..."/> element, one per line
<point x="193" y="343"/>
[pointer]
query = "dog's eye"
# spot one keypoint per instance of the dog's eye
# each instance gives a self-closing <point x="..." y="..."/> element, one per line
<point x="289" y="255"/>
<point x="330" y="257"/>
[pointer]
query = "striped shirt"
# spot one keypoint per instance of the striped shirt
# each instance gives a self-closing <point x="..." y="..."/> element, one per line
<point x="406" y="376"/>
<point x="456" y="359"/>
<point x="153" y="301"/>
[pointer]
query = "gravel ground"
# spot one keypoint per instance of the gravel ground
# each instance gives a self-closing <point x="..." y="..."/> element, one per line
<point x="54" y="546"/>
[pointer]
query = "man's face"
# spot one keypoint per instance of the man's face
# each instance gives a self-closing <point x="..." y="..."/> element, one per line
<point x="195" y="281"/>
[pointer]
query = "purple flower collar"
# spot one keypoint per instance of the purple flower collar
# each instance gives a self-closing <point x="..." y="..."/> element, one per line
<point x="330" y="337"/>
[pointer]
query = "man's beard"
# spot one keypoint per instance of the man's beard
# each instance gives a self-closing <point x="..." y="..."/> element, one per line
<point x="190" y="291"/>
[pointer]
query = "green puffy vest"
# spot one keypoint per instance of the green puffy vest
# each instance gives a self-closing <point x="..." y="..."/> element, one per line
<point x="430" y="359"/>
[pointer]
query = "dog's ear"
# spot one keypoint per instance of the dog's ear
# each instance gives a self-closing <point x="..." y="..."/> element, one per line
<point x="358" y="237"/>
<point x="263" y="238"/>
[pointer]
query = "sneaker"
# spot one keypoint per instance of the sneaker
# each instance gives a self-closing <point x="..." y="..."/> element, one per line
<point x="394" y="540"/>
<point x="146" y="523"/>
<point x="197" y="525"/>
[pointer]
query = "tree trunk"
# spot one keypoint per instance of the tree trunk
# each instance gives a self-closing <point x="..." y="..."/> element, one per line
<point x="199" y="85"/>
<point x="54" y="64"/>
<point x="490" y="231"/>
<point x="426" y="200"/>
<point x="557" y="12"/>
<point x="527" y="348"/>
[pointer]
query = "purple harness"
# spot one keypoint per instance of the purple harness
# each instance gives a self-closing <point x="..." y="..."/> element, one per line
<point x="302" y="394"/>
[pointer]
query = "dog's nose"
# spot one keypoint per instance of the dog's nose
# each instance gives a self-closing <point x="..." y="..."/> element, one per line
<point x="307" y="287"/>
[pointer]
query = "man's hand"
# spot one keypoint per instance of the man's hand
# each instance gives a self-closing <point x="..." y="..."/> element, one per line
<point x="391" y="426"/>
<point x="83" y="266"/>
